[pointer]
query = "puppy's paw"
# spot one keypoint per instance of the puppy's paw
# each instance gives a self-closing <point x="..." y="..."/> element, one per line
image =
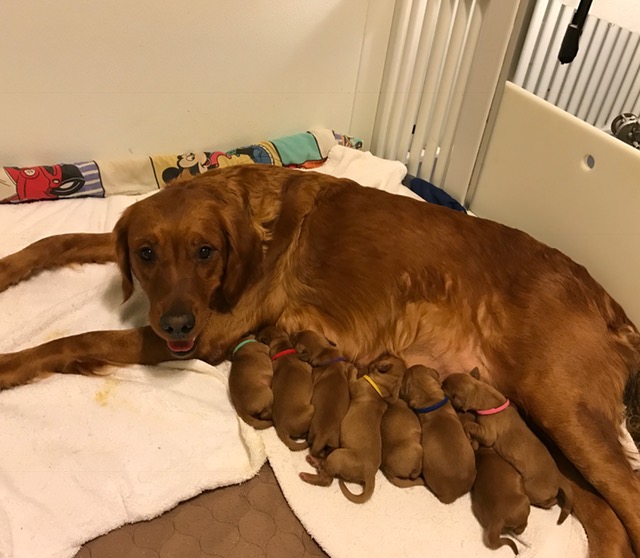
<point x="317" y="480"/>
<point x="315" y="462"/>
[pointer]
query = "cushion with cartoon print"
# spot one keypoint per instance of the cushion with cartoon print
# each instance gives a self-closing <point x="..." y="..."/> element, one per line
<point x="144" y="174"/>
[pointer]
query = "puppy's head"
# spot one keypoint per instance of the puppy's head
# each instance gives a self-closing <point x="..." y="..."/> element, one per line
<point x="192" y="251"/>
<point x="273" y="335"/>
<point x="420" y="384"/>
<point x="387" y="372"/>
<point x="462" y="390"/>
<point x="313" y="347"/>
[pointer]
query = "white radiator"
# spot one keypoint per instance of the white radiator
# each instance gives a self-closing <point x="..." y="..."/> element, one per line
<point x="604" y="79"/>
<point x="440" y="76"/>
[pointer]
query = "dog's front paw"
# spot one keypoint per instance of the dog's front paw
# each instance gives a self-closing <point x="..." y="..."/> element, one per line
<point x="87" y="367"/>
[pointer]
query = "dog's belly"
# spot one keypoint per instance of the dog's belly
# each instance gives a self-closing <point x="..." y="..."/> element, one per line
<point x="425" y="333"/>
<point x="448" y="350"/>
<point x="447" y="363"/>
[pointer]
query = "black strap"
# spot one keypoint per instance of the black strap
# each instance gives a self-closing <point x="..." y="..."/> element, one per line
<point x="571" y="40"/>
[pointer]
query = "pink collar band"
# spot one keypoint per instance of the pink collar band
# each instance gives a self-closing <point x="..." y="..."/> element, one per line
<point x="493" y="411"/>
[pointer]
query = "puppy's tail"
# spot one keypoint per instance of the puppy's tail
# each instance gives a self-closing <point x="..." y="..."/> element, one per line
<point x="288" y="441"/>
<point x="494" y="541"/>
<point x="367" y="491"/>
<point x="565" y="499"/>
<point x="257" y="423"/>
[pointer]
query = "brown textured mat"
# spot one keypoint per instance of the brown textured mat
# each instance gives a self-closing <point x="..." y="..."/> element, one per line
<point x="249" y="520"/>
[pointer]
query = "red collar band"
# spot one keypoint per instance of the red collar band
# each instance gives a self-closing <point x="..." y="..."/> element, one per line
<point x="284" y="353"/>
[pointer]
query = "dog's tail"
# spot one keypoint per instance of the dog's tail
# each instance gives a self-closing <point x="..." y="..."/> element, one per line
<point x="494" y="540"/>
<point x="367" y="491"/>
<point x="257" y="423"/>
<point x="288" y="440"/>
<point x="565" y="499"/>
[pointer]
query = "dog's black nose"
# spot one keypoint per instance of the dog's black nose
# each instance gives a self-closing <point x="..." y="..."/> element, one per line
<point x="178" y="325"/>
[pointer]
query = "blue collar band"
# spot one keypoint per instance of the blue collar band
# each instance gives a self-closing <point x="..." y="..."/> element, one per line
<point x="433" y="407"/>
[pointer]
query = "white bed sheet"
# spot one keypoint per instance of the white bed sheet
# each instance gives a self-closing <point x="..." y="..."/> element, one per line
<point x="83" y="455"/>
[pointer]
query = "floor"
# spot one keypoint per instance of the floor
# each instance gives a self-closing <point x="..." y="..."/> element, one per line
<point x="250" y="520"/>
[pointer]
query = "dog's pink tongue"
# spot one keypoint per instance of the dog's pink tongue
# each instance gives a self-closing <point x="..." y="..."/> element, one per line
<point x="181" y="346"/>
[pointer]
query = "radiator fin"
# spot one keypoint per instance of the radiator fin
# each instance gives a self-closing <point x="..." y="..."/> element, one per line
<point x="603" y="80"/>
<point x="425" y="80"/>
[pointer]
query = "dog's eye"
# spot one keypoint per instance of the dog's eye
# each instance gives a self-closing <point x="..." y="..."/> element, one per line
<point x="146" y="254"/>
<point x="205" y="252"/>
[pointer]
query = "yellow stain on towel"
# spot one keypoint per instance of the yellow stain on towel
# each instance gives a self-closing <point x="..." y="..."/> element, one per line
<point x="54" y="334"/>
<point x="102" y="395"/>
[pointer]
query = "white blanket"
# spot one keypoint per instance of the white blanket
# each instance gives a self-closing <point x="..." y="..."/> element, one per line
<point x="82" y="455"/>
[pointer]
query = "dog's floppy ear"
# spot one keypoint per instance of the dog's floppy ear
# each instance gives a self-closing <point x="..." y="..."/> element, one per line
<point x="475" y="373"/>
<point x="120" y="236"/>
<point x="244" y="257"/>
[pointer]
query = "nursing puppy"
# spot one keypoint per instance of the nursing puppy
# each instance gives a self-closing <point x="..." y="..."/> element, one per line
<point x="498" y="499"/>
<point x="292" y="387"/>
<point x="498" y="425"/>
<point x="448" y="460"/>
<point x="401" y="446"/>
<point x="331" y="373"/>
<point x="250" y="379"/>
<point x="360" y="454"/>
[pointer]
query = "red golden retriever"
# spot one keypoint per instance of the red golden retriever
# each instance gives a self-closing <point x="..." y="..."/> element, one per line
<point x="233" y="250"/>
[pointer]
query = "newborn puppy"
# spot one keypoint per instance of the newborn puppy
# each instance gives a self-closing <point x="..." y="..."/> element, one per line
<point x="360" y="453"/>
<point x="498" y="500"/>
<point x="330" y="399"/>
<point x="401" y="445"/>
<point x="499" y="425"/>
<point x="292" y="387"/>
<point x="250" y="382"/>
<point x="448" y="460"/>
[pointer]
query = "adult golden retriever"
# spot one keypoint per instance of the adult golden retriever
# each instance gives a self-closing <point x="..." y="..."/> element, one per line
<point x="236" y="249"/>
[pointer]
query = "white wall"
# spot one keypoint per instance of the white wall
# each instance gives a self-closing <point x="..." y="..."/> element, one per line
<point x="89" y="79"/>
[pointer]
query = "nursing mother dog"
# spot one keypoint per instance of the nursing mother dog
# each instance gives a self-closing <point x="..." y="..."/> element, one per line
<point x="232" y="250"/>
